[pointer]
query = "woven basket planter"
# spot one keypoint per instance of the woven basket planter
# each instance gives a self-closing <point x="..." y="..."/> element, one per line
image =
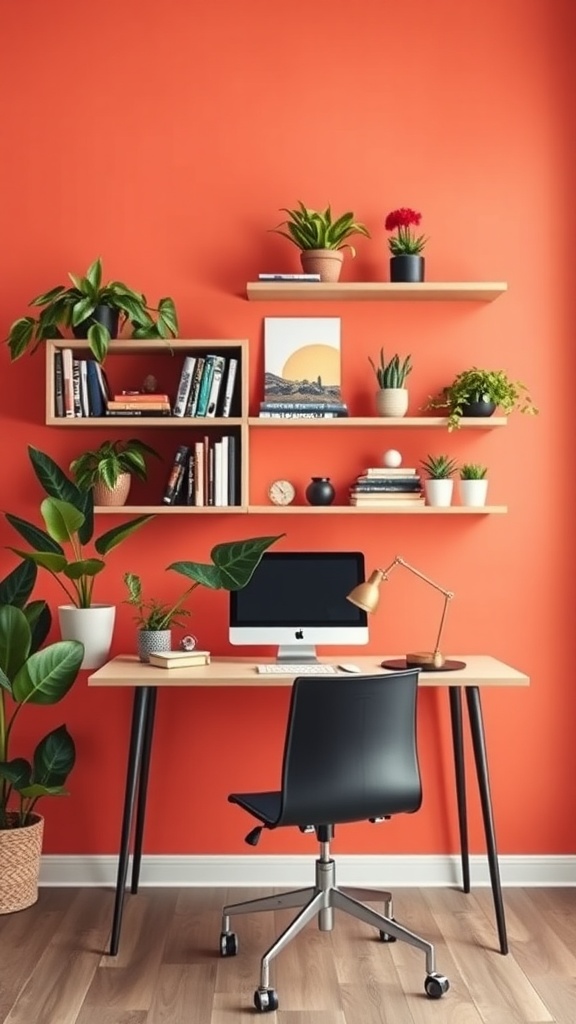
<point x="20" y="850"/>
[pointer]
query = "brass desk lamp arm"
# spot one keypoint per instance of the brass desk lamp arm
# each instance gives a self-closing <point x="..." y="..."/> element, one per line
<point x="448" y="594"/>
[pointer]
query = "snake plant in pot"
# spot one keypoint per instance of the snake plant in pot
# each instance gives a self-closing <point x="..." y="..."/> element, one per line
<point x="68" y="515"/>
<point x="321" y="238"/>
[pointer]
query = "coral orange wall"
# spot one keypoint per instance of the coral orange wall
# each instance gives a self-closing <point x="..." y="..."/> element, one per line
<point x="165" y="138"/>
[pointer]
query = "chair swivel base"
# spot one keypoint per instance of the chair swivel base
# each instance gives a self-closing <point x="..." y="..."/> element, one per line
<point x="320" y="900"/>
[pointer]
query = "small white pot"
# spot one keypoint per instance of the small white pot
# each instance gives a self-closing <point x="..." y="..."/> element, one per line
<point x="392" y="401"/>
<point x="91" y="626"/>
<point x="473" y="492"/>
<point x="439" y="492"/>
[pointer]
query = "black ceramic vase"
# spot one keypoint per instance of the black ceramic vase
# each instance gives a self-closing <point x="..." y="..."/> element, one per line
<point x="105" y="315"/>
<point x="408" y="268"/>
<point x="479" y="408"/>
<point x="320" y="491"/>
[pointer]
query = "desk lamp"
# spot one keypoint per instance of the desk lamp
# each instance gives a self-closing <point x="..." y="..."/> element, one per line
<point x="366" y="596"/>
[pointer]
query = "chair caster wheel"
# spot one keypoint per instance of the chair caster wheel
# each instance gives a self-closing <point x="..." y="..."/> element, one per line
<point x="436" y="985"/>
<point x="265" y="1000"/>
<point x="228" y="944"/>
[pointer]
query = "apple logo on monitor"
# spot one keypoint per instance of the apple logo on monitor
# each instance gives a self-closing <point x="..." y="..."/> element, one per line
<point x="299" y="634"/>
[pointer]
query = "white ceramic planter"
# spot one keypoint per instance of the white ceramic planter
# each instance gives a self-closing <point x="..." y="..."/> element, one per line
<point x="392" y="401"/>
<point x="439" y="492"/>
<point x="91" y="626"/>
<point x="473" y="493"/>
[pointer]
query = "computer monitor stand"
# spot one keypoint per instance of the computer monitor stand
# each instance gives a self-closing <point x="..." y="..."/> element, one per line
<point x="296" y="653"/>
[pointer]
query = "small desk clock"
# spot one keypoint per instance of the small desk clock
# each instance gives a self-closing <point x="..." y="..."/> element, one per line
<point x="281" y="492"/>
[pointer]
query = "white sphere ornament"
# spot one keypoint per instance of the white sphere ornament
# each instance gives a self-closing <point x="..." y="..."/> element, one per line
<point x="392" y="458"/>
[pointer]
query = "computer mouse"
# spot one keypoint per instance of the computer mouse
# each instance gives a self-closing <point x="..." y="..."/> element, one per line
<point x="349" y="668"/>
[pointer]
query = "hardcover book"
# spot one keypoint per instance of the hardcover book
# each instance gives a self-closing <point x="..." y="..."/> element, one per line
<point x="302" y="360"/>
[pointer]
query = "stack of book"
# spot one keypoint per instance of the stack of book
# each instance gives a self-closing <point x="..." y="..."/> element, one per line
<point x="205" y="473"/>
<point x="206" y="386"/>
<point x="138" y="403"/>
<point x="290" y="277"/>
<point x="302" y="410"/>
<point x="179" y="659"/>
<point x="380" y="486"/>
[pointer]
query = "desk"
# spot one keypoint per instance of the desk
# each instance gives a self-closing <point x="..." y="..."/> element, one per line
<point x="126" y="670"/>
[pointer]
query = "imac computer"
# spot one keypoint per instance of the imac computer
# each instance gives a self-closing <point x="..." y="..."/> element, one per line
<point x="296" y="600"/>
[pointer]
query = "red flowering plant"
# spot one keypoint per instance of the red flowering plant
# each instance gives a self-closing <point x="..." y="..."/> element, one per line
<point x="405" y="243"/>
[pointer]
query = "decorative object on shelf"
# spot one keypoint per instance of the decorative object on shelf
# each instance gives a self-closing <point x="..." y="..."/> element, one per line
<point x="406" y="263"/>
<point x="392" y="458"/>
<point x="320" y="491"/>
<point x="31" y="674"/>
<point x="150" y="384"/>
<point x="154" y="618"/>
<point x="367" y="595"/>
<point x="320" y="238"/>
<point x="392" y="398"/>
<point x="281" y="492"/>
<point x="439" y="485"/>
<point x="477" y="392"/>
<point x="188" y="642"/>
<point x="68" y="515"/>
<point x="302" y="364"/>
<point x="473" y="484"/>
<point x="108" y="469"/>
<point x="94" y="311"/>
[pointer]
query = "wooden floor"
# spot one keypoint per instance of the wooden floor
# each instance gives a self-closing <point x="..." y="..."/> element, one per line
<point x="168" y="971"/>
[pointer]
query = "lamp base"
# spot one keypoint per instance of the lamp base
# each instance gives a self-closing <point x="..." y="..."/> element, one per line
<point x="422" y="659"/>
<point x="400" y="663"/>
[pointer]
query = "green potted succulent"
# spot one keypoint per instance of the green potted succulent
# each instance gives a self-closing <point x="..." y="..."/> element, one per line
<point x="320" y="238"/>
<point x="477" y="392"/>
<point x="392" y="396"/>
<point x="438" y="485"/>
<point x="68" y="515"/>
<point x="473" y="484"/>
<point x="108" y="469"/>
<point x="29" y="675"/>
<point x="93" y="310"/>
<point x="154" y="618"/>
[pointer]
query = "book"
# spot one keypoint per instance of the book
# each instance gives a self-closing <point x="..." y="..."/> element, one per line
<point x="139" y="406"/>
<point x="312" y="406"/>
<point x="179" y="659"/>
<point x="76" y="388"/>
<point x="388" y="488"/>
<point x="84" y="397"/>
<point x="184" y="386"/>
<point x="387" y="471"/>
<point x="58" y="383"/>
<point x="229" y="386"/>
<point x="300" y="415"/>
<point x="302" y="359"/>
<point x="205" y="384"/>
<point x="192" y="403"/>
<point x="95" y="397"/>
<point x="232" y="477"/>
<point x="216" y="385"/>
<point x="103" y="382"/>
<point x="67" y="374"/>
<point x="128" y="413"/>
<point x="289" y="277"/>
<point x="140" y="396"/>
<point x="176" y="475"/>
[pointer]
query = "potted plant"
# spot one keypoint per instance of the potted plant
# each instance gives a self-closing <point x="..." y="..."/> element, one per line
<point x="108" y="469"/>
<point x="68" y="515"/>
<point x="392" y="398"/>
<point x="320" y="238"/>
<point x="439" y="485"/>
<point x="477" y="392"/>
<point x="473" y="484"/>
<point x="231" y="567"/>
<point x="29" y="675"/>
<point x="92" y="310"/>
<point x="406" y="261"/>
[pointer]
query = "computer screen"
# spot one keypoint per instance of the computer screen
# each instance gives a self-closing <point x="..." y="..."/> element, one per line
<point x="296" y="600"/>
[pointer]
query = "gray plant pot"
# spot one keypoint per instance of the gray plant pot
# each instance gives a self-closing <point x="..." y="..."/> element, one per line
<point x="150" y="641"/>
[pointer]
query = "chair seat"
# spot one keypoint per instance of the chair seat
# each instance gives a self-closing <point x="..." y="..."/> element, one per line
<point x="264" y="806"/>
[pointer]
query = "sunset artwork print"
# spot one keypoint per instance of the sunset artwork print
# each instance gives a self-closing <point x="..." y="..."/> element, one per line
<point x="302" y="359"/>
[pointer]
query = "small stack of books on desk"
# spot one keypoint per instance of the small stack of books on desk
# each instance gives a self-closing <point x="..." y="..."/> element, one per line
<point x="179" y="659"/>
<point x="381" y="486"/>
<point x="302" y="410"/>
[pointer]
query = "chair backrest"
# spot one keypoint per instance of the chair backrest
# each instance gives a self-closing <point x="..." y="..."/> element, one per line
<point x="350" y="752"/>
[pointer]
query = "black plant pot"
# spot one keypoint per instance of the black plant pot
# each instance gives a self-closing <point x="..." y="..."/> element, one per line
<point x="320" y="491"/>
<point x="408" y="268"/>
<point x="105" y="315"/>
<point x="480" y="408"/>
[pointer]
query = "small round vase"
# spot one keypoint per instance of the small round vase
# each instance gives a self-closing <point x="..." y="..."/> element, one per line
<point x="150" y="641"/>
<point x="103" y="314"/>
<point x="408" y="268"/>
<point x="482" y="407"/>
<point x="320" y="491"/>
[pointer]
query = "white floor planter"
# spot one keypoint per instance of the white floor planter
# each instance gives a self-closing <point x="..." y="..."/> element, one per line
<point x="91" y="626"/>
<point x="473" y="493"/>
<point x="439" y="492"/>
<point x="392" y="401"/>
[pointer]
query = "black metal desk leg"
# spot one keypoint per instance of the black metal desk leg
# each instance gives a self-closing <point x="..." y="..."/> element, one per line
<point x="479" y="744"/>
<point x="143" y="789"/>
<point x="139" y="709"/>
<point x="459" y="770"/>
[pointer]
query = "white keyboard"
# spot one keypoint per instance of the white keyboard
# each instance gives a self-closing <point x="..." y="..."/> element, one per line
<point x="308" y="669"/>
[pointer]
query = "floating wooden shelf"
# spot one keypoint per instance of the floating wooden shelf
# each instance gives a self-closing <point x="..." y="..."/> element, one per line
<point x="158" y="510"/>
<point x="135" y="422"/>
<point x="374" y="291"/>
<point x="478" y="422"/>
<point x="419" y="510"/>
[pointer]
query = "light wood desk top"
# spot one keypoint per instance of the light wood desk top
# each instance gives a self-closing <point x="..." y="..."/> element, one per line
<point x="128" y="670"/>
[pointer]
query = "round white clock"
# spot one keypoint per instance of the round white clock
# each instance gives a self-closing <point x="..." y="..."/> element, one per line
<point x="281" y="492"/>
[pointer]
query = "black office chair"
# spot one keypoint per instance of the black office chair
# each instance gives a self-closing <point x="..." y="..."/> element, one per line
<point x="350" y="755"/>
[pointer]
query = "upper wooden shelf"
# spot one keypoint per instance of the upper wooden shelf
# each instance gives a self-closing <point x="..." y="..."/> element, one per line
<point x="374" y="291"/>
<point x="477" y="422"/>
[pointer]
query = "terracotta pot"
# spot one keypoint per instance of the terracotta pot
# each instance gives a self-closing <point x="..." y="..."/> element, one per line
<point x="117" y="495"/>
<point x="20" y="850"/>
<point x="326" y="262"/>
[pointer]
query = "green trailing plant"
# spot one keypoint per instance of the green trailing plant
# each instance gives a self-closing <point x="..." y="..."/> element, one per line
<point x="477" y="385"/>
<point x="109" y="461"/>
<point x="68" y="515"/>
<point x="69" y="307"/>
<point x="392" y="374"/>
<point x="232" y="566"/>
<point x="316" y="229"/>
<point x="473" y="471"/>
<point x="438" y="467"/>
<point x="30" y="675"/>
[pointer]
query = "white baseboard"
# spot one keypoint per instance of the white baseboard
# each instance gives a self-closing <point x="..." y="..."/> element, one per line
<point x="287" y="871"/>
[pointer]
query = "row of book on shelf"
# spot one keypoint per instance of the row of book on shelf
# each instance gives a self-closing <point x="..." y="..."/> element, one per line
<point x="380" y="486"/>
<point x="205" y="388"/>
<point x="204" y="473"/>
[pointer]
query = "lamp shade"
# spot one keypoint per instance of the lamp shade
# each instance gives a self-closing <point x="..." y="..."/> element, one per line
<point x="366" y="595"/>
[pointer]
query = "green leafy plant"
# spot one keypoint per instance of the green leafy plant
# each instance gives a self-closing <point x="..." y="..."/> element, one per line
<point x="69" y="307"/>
<point x="315" y="229"/>
<point x="476" y="385"/>
<point x="29" y="675"/>
<point x="392" y="374"/>
<point x="438" y="467"/>
<point x="472" y="471"/>
<point x="68" y="515"/>
<point x="109" y="461"/>
<point x="152" y="614"/>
